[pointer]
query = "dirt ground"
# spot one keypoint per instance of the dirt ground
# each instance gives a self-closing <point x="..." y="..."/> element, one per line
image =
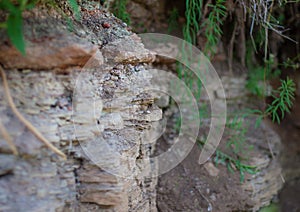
<point x="189" y="187"/>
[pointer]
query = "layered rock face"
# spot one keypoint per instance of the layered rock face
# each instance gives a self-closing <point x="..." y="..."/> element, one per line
<point x="95" y="110"/>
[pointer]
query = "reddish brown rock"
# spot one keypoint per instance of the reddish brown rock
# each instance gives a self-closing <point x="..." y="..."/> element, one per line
<point x="60" y="52"/>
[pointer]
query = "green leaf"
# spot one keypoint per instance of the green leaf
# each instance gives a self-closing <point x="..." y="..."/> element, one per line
<point x="75" y="8"/>
<point x="230" y="168"/>
<point x="15" y="31"/>
<point x="8" y="6"/>
<point x="251" y="171"/>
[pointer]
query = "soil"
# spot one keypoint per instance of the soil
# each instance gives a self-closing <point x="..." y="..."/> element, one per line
<point x="189" y="187"/>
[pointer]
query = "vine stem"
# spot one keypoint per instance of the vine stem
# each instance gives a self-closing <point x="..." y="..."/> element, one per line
<point x="31" y="128"/>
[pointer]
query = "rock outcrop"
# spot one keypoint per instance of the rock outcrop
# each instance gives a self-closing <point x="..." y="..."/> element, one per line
<point x="48" y="88"/>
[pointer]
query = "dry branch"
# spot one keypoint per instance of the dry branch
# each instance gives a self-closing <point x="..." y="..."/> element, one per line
<point x="31" y="128"/>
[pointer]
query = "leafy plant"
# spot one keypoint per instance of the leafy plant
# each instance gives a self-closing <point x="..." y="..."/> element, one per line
<point x="282" y="103"/>
<point x="283" y="100"/>
<point x="284" y="95"/>
<point x="213" y="25"/>
<point x="193" y="17"/>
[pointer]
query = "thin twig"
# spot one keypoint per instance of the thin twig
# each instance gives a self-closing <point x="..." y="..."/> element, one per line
<point x="210" y="207"/>
<point x="8" y="139"/>
<point x="25" y="121"/>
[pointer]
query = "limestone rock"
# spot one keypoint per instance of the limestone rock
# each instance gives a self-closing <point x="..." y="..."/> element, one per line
<point x="127" y="51"/>
<point x="105" y="110"/>
<point x="7" y="163"/>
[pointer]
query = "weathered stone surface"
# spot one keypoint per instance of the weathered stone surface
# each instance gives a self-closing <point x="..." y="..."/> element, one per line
<point x="106" y="196"/>
<point x="112" y="121"/>
<point x="128" y="51"/>
<point x="264" y="185"/>
<point x="114" y="112"/>
<point x="34" y="186"/>
<point x="7" y="163"/>
<point x="97" y="176"/>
